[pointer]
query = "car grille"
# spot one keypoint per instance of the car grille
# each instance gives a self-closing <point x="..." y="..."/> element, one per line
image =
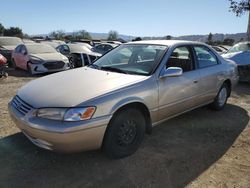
<point x="20" y="105"/>
<point x="54" y="65"/>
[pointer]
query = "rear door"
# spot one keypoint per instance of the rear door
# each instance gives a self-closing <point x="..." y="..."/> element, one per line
<point x="178" y="94"/>
<point x="210" y="70"/>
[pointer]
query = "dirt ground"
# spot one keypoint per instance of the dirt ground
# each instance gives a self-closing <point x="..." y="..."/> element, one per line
<point x="202" y="148"/>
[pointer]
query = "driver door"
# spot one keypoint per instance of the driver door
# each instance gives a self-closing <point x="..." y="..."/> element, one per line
<point x="180" y="93"/>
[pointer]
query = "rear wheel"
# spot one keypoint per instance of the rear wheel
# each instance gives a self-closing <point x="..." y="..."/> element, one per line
<point x="221" y="98"/>
<point x="125" y="133"/>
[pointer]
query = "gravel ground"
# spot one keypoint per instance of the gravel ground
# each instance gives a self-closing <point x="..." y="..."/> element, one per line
<point x="201" y="148"/>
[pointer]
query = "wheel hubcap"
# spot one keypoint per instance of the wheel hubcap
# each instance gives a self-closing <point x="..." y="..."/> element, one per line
<point x="222" y="96"/>
<point x="127" y="133"/>
<point x="71" y="63"/>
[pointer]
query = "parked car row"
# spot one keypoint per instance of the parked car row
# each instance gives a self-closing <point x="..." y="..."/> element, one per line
<point x="220" y="49"/>
<point x="50" y="56"/>
<point x="7" y="45"/>
<point x="240" y="54"/>
<point x="78" y="54"/>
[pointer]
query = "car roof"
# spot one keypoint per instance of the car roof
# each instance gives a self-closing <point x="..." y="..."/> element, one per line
<point x="36" y="44"/>
<point x="110" y="44"/>
<point x="9" y="37"/>
<point x="165" y="42"/>
<point x="246" y="42"/>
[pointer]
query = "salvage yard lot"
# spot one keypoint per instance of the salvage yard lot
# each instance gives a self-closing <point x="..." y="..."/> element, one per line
<point x="201" y="148"/>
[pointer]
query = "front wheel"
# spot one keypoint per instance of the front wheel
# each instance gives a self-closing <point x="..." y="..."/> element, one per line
<point x="125" y="133"/>
<point x="221" y="98"/>
<point x="72" y="62"/>
<point x="29" y="68"/>
<point x="14" y="64"/>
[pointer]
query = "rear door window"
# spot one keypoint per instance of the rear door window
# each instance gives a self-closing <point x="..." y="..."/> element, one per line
<point x="206" y="58"/>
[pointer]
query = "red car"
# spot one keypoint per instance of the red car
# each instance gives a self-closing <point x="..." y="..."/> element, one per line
<point x="3" y="60"/>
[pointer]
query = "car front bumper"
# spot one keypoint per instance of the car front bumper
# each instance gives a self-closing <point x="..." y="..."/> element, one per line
<point x="62" y="137"/>
<point x="40" y="68"/>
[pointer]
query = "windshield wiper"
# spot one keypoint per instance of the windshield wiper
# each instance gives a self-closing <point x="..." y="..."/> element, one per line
<point x="113" y="69"/>
<point x="94" y="66"/>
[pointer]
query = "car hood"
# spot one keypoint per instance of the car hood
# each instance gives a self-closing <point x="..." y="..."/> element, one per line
<point x="240" y="58"/>
<point x="73" y="87"/>
<point x="48" y="57"/>
<point x="11" y="48"/>
<point x="94" y="54"/>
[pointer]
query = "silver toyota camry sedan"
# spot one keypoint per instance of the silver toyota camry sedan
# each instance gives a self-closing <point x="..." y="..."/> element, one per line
<point x="113" y="102"/>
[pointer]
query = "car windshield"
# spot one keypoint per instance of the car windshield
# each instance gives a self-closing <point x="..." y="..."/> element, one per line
<point x="138" y="59"/>
<point x="78" y="48"/>
<point x="10" y="41"/>
<point x="239" y="48"/>
<point x="40" y="49"/>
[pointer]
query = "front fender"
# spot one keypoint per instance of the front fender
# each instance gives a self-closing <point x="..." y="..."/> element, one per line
<point x="124" y="102"/>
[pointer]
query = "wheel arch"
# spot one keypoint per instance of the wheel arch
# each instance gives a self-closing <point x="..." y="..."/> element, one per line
<point x="229" y="85"/>
<point x="135" y="104"/>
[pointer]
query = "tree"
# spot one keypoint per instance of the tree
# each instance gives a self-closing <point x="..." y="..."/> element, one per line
<point x="13" y="31"/>
<point x="137" y="39"/>
<point x="1" y="29"/>
<point x="168" y="37"/>
<point x="239" y="7"/>
<point x="58" y="35"/>
<point x="84" y="35"/>
<point x="228" y="42"/>
<point x="26" y="36"/>
<point x="113" y="35"/>
<point x="210" y="39"/>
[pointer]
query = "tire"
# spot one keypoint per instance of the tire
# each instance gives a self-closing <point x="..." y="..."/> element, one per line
<point x="6" y="75"/>
<point x="29" y="69"/>
<point x="72" y="62"/>
<point x="14" y="64"/>
<point x="125" y="133"/>
<point x="221" y="98"/>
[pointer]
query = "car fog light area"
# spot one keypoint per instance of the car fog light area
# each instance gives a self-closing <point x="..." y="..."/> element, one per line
<point x="66" y="114"/>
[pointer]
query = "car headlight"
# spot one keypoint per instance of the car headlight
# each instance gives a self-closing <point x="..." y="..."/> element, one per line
<point x="65" y="59"/>
<point x="66" y="114"/>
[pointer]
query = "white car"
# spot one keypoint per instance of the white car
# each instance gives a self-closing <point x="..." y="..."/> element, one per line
<point x="79" y="55"/>
<point x="39" y="58"/>
<point x="240" y="54"/>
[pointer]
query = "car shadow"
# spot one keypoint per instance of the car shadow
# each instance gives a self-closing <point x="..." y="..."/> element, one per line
<point x="176" y="153"/>
<point x="20" y="73"/>
<point x="242" y="89"/>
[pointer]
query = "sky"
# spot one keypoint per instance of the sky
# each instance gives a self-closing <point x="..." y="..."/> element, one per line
<point x="130" y="17"/>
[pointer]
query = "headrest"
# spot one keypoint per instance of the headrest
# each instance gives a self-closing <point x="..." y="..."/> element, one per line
<point x="175" y="54"/>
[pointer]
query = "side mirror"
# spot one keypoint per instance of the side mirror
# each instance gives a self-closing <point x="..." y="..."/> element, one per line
<point x="171" y="72"/>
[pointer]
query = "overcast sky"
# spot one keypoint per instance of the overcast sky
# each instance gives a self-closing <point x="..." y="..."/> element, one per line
<point x="131" y="17"/>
